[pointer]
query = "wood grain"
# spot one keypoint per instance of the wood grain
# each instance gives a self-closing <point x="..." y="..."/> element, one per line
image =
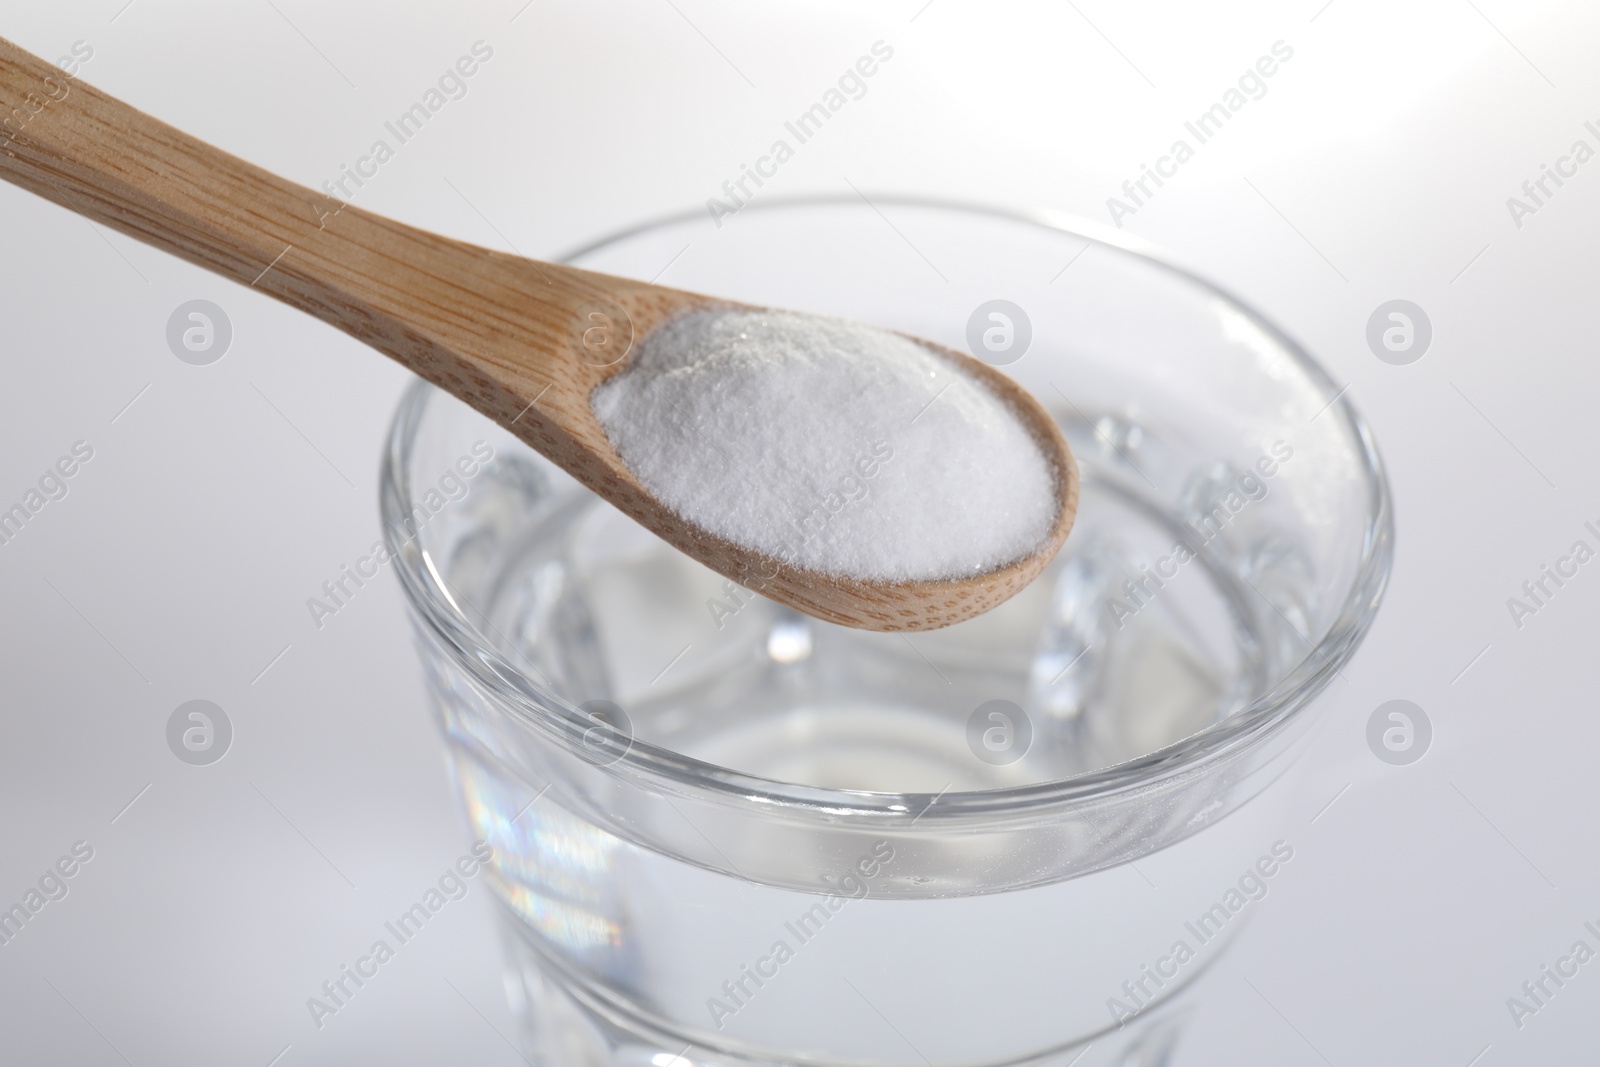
<point x="513" y="337"/>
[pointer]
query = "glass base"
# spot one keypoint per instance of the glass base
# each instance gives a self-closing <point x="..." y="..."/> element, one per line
<point x="561" y="1028"/>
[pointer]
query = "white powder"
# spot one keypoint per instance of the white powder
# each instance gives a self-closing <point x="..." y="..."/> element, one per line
<point x="830" y="445"/>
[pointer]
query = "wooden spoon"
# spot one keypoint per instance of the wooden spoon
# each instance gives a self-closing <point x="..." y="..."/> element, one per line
<point x="521" y="341"/>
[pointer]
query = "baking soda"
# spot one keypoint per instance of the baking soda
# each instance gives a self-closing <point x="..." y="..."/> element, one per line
<point x="829" y="445"/>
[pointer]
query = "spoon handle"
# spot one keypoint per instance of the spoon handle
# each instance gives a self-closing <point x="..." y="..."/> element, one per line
<point x="425" y="300"/>
<point x="91" y="153"/>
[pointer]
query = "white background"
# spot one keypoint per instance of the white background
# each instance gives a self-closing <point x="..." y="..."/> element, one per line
<point x="1376" y="167"/>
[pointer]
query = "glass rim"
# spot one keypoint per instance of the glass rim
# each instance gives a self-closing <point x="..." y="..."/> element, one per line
<point x="661" y="767"/>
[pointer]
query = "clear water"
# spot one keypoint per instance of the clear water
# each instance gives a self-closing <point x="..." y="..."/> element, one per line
<point x="1103" y="668"/>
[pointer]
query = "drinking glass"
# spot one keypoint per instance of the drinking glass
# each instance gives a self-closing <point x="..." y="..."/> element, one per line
<point x="728" y="834"/>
